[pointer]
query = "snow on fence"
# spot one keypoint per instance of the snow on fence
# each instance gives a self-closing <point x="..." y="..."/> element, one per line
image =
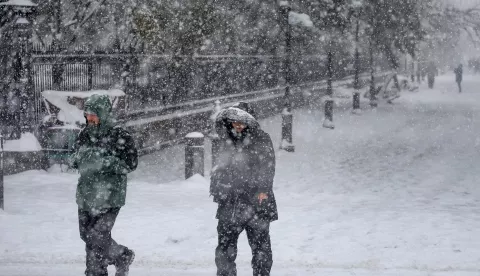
<point x="161" y="128"/>
<point x="155" y="80"/>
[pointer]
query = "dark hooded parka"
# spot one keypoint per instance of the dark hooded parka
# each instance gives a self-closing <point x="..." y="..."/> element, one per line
<point x="104" y="154"/>
<point x="246" y="168"/>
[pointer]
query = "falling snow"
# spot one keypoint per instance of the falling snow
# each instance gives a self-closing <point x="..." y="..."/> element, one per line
<point x="340" y="135"/>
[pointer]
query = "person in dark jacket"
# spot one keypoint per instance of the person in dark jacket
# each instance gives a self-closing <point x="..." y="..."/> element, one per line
<point x="104" y="154"/>
<point x="459" y="77"/>
<point x="242" y="185"/>
<point x="431" y="72"/>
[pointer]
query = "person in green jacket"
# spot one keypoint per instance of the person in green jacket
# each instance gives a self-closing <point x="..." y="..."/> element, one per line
<point x="104" y="155"/>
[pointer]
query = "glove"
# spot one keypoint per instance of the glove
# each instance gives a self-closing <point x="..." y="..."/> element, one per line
<point x="87" y="160"/>
<point x="113" y="164"/>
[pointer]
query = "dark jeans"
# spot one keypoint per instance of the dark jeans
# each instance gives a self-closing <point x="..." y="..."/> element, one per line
<point x="431" y="81"/>
<point x="259" y="239"/>
<point x="101" y="249"/>
<point x="459" y="86"/>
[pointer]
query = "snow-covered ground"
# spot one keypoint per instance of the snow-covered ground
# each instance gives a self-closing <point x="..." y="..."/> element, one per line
<point x="391" y="192"/>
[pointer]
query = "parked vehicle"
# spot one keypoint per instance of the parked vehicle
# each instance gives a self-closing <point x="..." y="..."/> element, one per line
<point x="63" y="119"/>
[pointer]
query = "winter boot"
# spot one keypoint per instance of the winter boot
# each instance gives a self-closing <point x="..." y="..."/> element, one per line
<point x="122" y="265"/>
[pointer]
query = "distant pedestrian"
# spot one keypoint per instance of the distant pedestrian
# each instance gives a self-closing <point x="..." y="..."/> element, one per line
<point x="242" y="185"/>
<point x="459" y="77"/>
<point x="431" y="73"/>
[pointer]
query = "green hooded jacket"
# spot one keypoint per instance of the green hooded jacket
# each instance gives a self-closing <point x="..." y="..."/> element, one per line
<point x="104" y="154"/>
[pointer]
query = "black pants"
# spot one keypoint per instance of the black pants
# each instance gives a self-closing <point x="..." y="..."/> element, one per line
<point x="101" y="249"/>
<point x="259" y="239"/>
<point x="459" y="86"/>
<point x="431" y="81"/>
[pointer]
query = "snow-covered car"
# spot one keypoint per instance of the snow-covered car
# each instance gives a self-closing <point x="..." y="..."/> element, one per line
<point x="63" y="119"/>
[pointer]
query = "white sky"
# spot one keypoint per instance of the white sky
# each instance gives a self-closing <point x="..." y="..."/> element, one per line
<point x="463" y="3"/>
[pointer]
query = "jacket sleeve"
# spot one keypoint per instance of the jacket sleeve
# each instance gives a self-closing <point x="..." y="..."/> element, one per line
<point x="266" y="163"/>
<point x="220" y="185"/>
<point x="73" y="160"/>
<point x="127" y="151"/>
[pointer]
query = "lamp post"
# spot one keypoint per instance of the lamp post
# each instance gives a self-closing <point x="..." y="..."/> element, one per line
<point x="356" y="81"/>
<point x="2" y="204"/>
<point x="287" y="116"/>
<point x="18" y="40"/>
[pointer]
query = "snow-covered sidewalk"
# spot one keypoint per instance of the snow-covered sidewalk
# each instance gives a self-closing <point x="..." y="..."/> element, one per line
<point x="391" y="192"/>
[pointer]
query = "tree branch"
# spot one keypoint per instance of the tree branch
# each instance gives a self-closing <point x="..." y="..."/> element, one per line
<point x="80" y="18"/>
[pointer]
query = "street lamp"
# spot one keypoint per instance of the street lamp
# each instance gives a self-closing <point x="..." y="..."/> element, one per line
<point x="2" y="199"/>
<point x="287" y="116"/>
<point x="356" y="81"/>
<point x="18" y="16"/>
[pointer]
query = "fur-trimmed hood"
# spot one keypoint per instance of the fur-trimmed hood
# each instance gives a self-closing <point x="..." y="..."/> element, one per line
<point x="234" y="114"/>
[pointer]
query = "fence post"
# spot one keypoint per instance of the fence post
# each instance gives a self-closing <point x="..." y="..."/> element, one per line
<point x="90" y="74"/>
<point x="194" y="154"/>
<point x="216" y="141"/>
<point x="1" y="174"/>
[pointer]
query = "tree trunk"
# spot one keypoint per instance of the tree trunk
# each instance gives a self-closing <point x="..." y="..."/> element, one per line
<point x="395" y="81"/>
<point x="57" y="67"/>
<point x="373" y="96"/>
<point x="328" y="121"/>
<point x="393" y="63"/>
<point x="330" y="74"/>
<point x="129" y="74"/>
<point x="412" y="76"/>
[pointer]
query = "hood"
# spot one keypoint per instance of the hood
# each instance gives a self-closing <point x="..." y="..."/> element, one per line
<point x="236" y="113"/>
<point x="102" y="107"/>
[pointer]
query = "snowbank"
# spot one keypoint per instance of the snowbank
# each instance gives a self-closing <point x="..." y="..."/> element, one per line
<point x="27" y="142"/>
<point x="25" y="3"/>
<point x="300" y="19"/>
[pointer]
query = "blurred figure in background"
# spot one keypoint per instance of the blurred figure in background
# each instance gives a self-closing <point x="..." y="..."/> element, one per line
<point x="431" y="73"/>
<point x="459" y="77"/>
